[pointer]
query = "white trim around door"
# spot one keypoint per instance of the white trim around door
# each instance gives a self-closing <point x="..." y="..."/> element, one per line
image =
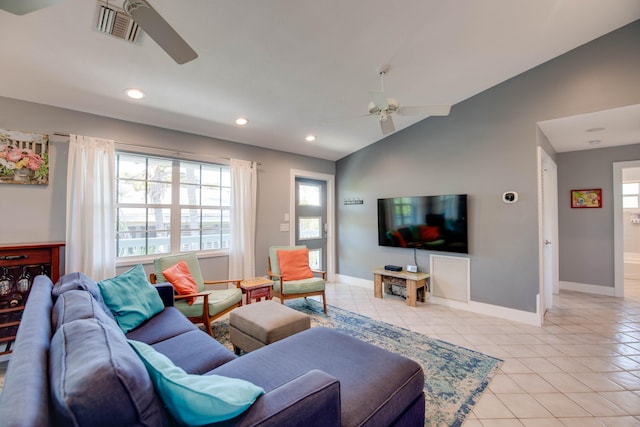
<point x="330" y="180"/>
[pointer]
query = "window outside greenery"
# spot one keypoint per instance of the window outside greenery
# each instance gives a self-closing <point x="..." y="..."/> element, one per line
<point x="168" y="205"/>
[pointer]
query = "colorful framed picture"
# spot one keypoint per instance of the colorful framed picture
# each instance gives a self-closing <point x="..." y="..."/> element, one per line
<point x="586" y="198"/>
<point x="24" y="157"/>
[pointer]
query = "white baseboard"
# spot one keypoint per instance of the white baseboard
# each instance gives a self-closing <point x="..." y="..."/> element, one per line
<point x="491" y="310"/>
<point x="588" y="289"/>
<point x="472" y="306"/>
<point x="349" y="280"/>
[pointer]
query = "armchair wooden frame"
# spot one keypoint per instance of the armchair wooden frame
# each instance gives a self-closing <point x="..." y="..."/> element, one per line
<point x="280" y="294"/>
<point x="205" y="318"/>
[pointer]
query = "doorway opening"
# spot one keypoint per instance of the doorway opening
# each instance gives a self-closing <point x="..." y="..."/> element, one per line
<point x="626" y="211"/>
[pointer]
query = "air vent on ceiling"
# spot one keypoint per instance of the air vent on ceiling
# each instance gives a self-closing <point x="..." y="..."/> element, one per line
<point x="114" y="21"/>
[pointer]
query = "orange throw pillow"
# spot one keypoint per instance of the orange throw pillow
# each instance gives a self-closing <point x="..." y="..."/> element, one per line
<point x="180" y="277"/>
<point x="294" y="264"/>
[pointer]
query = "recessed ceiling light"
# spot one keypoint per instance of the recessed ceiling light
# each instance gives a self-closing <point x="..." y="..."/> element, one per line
<point x="598" y="129"/>
<point x="241" y="121"/>
<point x="310" y="138"/>
<point x="595" y="141"/>
<point x="134" y="93"/>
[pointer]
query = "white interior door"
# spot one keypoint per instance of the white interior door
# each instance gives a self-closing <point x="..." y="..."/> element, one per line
<point x="550" y="221"/>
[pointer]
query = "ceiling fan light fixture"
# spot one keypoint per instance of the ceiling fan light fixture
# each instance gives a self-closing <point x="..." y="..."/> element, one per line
<point x="134" y="93"/>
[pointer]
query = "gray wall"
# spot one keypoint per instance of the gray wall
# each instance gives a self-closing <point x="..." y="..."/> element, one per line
<point x="586" y="235"/>
<point x="487" y="145"/>
<point x="32" y="213"/>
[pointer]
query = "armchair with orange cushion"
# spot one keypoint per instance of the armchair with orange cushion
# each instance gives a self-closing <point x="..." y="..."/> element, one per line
<point x="193" y="299"/>
<point x="292" y="277"/>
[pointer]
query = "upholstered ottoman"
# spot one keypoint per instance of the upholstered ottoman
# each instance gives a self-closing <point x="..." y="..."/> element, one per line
<point x="255" y="325"/>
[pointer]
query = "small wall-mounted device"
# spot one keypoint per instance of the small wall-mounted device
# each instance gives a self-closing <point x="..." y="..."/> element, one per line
<point x="412" y="268"/>
<point x="510" y="197"/>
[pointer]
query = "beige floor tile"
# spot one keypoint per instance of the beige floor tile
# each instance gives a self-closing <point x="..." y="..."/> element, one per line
<point x="533" y="383"/>
<point x="560" y="405"/>
<point x="524" y="406"/>
<point x="502" y="423"/>
<point x="630" y="402"/>
<point x="541" y="422"/>
<point x="596" y="381"/>
<point x="597" y="405"/>
<point x="490" y="407"/>
<point x="503" y="384"/>
<point x="619" y="421"/>
<point x="564" y="382"/>
<point x="626" y="380"/>
<point x="581" y="422"/>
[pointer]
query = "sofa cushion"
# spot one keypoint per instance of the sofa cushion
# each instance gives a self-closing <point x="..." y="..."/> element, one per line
<point x="79" y="281"/>
<point x="98" y="380"/>
<point x="195" y="352"/>
<point x="196" y="399"/>
<point x="131" y="298"/>
<point x="163" y="326"/>
<point x="375" y="384"/>
<point x="75" y="304"/>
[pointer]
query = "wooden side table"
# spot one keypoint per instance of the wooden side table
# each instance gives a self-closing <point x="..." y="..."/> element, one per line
<point x="412" y="281"/>
<point x="257" y="288"/>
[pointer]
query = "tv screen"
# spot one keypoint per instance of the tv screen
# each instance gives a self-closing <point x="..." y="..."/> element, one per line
<point x="434" y="223"/>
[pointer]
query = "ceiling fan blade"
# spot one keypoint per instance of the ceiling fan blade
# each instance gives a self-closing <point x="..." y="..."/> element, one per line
<point x="22" y="7"/>
<point x="159" y="30"/>
<point x="425" y="110"/>
<point x="378" y="98"/>
<point x="386" y="124"/>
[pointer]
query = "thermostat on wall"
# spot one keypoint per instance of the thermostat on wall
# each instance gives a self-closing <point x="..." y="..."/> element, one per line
<point x="510" y="197"/>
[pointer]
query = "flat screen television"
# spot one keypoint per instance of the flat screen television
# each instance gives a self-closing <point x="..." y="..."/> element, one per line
<point x="434" y="223"/>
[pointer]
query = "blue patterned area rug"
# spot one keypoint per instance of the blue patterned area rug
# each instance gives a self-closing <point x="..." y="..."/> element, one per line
<point x="455" y="377"/>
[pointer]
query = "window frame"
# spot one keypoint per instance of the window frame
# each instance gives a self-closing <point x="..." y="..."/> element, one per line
<point x="175" y="208"/>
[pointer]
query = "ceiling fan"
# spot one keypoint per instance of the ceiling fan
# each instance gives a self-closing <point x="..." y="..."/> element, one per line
<point x="139" y="10"/>
<point x="384" y="107"/>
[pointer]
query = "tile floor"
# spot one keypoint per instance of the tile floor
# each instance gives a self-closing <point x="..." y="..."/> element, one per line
<point x="581" y="368"/>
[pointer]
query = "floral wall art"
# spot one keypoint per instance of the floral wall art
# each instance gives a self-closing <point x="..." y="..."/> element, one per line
<point x="24" y="157"/>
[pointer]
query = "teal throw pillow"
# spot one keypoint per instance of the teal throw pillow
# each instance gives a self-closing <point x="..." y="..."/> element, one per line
<point x="131" y="298"/>
<point x="196" y="400"/>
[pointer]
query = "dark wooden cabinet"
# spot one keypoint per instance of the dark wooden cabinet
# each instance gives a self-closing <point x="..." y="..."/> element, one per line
<point x="24" y="261"/>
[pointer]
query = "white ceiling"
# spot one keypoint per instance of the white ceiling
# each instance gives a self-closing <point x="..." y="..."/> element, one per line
<point x="600" y="129"/>
<point x="292" y="67"/>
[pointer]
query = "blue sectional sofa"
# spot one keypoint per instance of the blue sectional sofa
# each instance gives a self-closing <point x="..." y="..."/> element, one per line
<point x="71" y="365"/>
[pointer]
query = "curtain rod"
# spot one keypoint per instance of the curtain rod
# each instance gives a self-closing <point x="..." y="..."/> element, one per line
<point x="66" y="135"/>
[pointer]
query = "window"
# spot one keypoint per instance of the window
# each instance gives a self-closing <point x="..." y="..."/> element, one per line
<point x="168" y="205"/>
<point x="630" y="195"/>
<point x="309" y="194"/>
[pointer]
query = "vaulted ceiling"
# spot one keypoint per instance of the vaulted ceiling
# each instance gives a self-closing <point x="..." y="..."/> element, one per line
<point x="293" y="68"/>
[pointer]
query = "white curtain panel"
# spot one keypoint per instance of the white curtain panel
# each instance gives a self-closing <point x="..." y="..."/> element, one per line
<point x="244" y="182"/>
<point x="90" y="237"/>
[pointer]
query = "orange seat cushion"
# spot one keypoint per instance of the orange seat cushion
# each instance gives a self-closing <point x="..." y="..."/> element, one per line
<point x="180" y="277"/>
<point x="294" y="264"/>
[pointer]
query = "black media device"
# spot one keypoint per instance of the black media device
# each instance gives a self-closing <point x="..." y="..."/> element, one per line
<point x="432" y="223"/>
<point x="393" y="267"/>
